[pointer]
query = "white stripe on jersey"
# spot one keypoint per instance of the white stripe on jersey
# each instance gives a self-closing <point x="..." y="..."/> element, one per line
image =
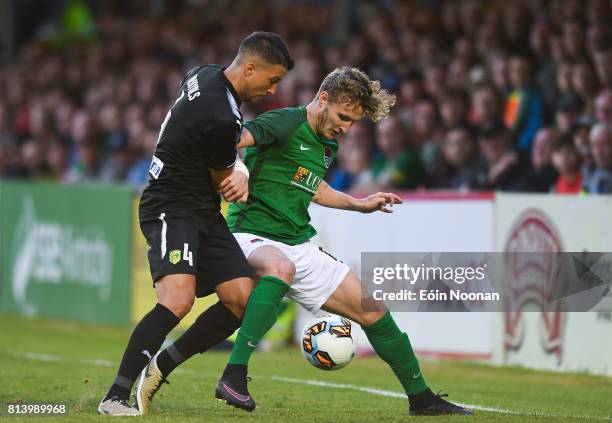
<point x="163" y="234"/>
<point x="233" y="104"/>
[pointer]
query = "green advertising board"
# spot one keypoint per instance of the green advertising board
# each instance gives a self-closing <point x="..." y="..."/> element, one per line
<point x="65" y="251"/>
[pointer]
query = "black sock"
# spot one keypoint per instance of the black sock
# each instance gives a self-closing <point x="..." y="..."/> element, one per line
<point x="210" y="328"/>
<point x="422" y="399"/>
<point x="146" y="339"/>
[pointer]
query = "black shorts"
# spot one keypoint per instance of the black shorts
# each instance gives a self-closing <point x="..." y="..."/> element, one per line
<point x="198" y="244"/>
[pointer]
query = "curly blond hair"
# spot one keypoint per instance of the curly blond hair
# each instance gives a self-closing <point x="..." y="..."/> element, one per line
<point x="351" y="85"/>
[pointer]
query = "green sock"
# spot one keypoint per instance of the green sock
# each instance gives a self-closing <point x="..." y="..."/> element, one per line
<point x="260" y="314"/>
<point x="393" y="346"/>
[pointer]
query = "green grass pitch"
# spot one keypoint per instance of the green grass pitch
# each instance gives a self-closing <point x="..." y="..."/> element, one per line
<point x="50" y="361"/>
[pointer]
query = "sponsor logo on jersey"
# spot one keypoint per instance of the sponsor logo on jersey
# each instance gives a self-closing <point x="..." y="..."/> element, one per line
<point x="304" y="148"/>
<point x="174" y="256"/>
<point x="306" y="179"/>
<point x="156" y="167"/>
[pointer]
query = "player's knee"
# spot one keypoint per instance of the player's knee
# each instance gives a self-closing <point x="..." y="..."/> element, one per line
<point x="282" y="269"/>
<point x="236" y="304"/>
<point x="180" y="306"/>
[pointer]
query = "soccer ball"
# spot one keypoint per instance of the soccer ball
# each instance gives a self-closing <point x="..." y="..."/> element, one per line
<point x="327" y="343"/>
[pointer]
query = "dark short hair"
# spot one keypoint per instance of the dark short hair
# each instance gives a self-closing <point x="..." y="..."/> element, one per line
<point x="491" y="130"/>
<point x="456" y="94"/>
<point x="269" y="46"/>
<point x="563" y="142"/>
<point x="570" y="102"/>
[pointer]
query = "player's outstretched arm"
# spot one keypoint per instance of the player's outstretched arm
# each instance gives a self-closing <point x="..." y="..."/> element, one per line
<point x="328" y="197"/>
<point x="246" y="139"/>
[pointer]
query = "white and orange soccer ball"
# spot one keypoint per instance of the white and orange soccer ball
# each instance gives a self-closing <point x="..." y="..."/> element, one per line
<point x="327" y="342"/>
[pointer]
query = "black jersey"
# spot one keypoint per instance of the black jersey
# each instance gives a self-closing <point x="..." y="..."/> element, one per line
<point x="200" y="132"/>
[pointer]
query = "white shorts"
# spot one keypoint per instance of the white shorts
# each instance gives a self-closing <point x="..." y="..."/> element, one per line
<point x="317" y="274"/>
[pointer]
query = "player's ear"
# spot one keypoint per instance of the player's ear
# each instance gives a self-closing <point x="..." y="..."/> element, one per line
<point x="249" y="69"/>
<point x="323" y="98"/>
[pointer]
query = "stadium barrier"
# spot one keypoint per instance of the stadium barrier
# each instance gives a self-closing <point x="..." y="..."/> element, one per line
<point x="65" y="251"/>
<point x="77" y="252"/>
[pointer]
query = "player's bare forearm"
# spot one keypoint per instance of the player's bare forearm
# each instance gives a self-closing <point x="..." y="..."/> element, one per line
<point x="219" y="175"/>
<point x="246" y="139"/>
<point x="381" y="201"/>
<point x="328" y="197"/>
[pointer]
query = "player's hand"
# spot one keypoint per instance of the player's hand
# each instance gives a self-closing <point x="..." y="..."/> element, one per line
<point x="382" y="201"/>
<point x="235" y="188"/>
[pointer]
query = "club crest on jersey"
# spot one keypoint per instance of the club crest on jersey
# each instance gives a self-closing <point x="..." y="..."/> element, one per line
<point x="174" y="256"/>
<point x="327" y="157"/>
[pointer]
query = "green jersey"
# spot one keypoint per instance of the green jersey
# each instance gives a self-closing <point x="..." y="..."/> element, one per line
<point x="287" y="164"/>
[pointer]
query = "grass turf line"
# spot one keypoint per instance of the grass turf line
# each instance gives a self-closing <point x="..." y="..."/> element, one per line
<point x="51" y="361"/>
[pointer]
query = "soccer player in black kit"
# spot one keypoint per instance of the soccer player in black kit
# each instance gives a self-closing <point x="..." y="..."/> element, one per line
<point x="191" y="251"/>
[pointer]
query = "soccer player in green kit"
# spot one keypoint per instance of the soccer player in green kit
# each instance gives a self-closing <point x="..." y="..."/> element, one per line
<point x="289" y="153"/>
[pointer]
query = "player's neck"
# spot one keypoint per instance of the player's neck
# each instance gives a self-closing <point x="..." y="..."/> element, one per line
<point x="232" y="73"/>
<point x="312" y="115"/>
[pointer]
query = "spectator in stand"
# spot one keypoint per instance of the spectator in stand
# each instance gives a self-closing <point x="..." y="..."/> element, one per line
<point x="138" y="175"/>
<point x="539" y="41"/>
<point x="566" y="160"/>
<point x="454" y="108"/>
<point x="603" y="106"/>
<point x="600" y="180"/>
<point x="88" y="164"/>
<point x="411" y="89"/>
<point x="58" y="162"/>
<point x="462" y="155"/>
<point x="569" y="110"/>
<point x="398" y="165"/>
<point x="523" y="108"/>
<point x="425" y="133"/>
<point x="564" y="81"/>
<point x="117" y="165"/>
<point x="580" y="137"/>
<point x="498" y="70"/>
<point x="486" y="106"/>
<point x="33" y="160"/>
<point x="573" y="38"/>
<point x="75" y="95"/>
<point x="435" y="81"/>
<point x="584" y="84"/>
<point x="504" y="166"/>
<point x="541" y="175"/>
<point x="603" y="63"/>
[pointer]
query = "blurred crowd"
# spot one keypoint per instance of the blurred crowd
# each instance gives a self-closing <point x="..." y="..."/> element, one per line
<point x="491" y="95"/>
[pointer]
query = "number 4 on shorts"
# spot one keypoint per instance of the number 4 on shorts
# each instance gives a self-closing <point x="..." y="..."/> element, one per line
<point x="187" y="255"/>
